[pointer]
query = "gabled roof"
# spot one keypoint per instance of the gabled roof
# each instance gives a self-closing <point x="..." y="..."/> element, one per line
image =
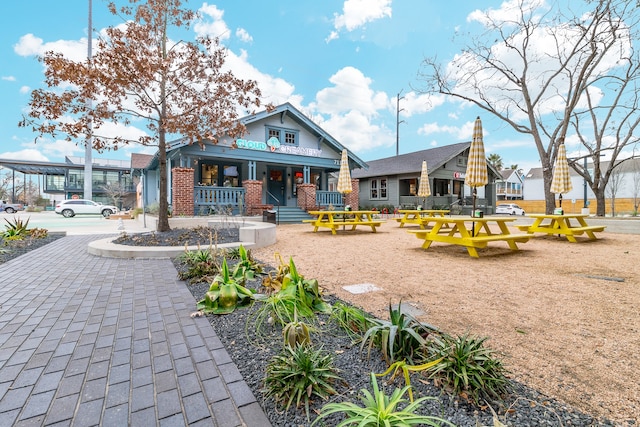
<point x="508" y="173"/>
<point x="140" y="161"/>
<point x="282" y="110"/>
<point x="292" y="112"/>
<point x="412" y="162"/>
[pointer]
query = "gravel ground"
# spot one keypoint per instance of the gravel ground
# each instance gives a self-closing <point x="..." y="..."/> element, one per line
<point x="251" y="353"/>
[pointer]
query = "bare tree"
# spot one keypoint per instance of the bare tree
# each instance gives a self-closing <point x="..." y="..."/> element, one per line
<point x="540" y="71"/>
<point x="116" y="191"/>
<point x="635" y="182"/>
<point x="138" y="74"/>
<point x="615" y="183"/>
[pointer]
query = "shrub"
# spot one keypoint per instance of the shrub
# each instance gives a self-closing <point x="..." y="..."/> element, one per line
<point x="350" y="319"/>
<point x="468" y="368"/>
<point x="380" y="410"/>
<point x="16" y="229"/>
<point x="299" y="374"/>
<point x="225" y="294"/>
<point x="402" y="337"/>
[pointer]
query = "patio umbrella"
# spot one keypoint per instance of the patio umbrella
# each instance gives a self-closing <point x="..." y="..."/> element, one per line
<point x="476" y="174"/>
<point x="424" y="190"/>
<point x="561" y="180"/>
<point x="344" y="177"/>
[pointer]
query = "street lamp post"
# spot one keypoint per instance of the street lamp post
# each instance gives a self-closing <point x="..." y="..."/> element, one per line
<point x="585" y="182"/>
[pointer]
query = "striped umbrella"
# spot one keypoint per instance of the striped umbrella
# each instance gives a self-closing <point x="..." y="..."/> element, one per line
<point x="476" y="174"/>
<point x="424" y="189"/>
<point x="344" y="177"/>
<point x="561" y="180"/>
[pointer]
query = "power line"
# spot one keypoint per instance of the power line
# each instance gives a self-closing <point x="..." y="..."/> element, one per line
<point x="398" y="121"/>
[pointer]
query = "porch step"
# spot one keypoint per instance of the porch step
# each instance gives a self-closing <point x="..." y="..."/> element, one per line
<point x="290" y="214"/>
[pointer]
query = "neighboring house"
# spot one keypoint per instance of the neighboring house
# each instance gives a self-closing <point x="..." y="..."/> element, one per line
<point x="509" y="186"/>
<point x="66" y="180"/>
<point x="393" y="181"/>
<point x="284" y="159"/>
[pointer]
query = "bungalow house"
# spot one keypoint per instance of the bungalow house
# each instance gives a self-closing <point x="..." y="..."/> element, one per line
<point x="282" y="162"/>
<point x="393" y="181"/>
<point x="509" y="186"/>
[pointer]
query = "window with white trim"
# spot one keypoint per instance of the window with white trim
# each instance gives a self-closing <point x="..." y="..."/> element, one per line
<point x="378" y="189"/>
<point x="285" y="136"/>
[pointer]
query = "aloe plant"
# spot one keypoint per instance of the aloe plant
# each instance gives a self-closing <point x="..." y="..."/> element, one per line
<point x="296" y="332"/>
<point x="247" y="267"/>
<point x="306" y="291"/>
<point x="225" y="294"/>
<point x="381" y="410"/>
<point x="406" y="369"/>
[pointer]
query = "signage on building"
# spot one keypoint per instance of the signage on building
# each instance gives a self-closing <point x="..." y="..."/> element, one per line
<point x="273" y="145"/>
<point x="458" y="174"/>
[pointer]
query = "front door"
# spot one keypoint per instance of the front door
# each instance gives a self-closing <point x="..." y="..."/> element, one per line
<point x="276" y="186"/>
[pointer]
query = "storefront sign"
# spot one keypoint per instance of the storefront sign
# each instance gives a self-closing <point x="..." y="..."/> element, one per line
<point x="302" y="151"/>
<point x="273" y="145"/>
<point x="251" y="145"/>
<point x="457" y="174"/>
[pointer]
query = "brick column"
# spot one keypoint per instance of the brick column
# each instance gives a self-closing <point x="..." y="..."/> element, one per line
<point x="306" y="196"/>
<point x="182" y="191"/>
<point x="253" y="196"/>
<point x="353" y="199"/>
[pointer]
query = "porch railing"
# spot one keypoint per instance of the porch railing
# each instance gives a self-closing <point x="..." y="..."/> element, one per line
<point x="209" y="200"/>
<point x="325" y="198"/>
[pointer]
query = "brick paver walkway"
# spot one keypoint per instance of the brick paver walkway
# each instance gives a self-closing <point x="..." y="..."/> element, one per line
<point x="88" y="341"/>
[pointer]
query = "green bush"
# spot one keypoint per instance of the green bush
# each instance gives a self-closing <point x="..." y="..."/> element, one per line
<point x="298" y="375"/>
<point x="468" y="368"/>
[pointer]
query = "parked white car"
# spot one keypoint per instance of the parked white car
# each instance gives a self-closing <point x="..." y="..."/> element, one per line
<point x="509" y="209"/>
<point x="73" y="207"/>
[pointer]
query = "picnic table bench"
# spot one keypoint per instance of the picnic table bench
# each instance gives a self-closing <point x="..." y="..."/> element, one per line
<point x="333" y="220"/>
<point x="472" y="233"/>
<point x="562" y="225"/>
<point x="416" y="216"/>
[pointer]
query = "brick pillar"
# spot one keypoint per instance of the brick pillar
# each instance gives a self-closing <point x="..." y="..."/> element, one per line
<point x="306" y="196"/>
<point x="353" y="199"/>
<point x="253" y="196"/>
<point x="182" y="194"/>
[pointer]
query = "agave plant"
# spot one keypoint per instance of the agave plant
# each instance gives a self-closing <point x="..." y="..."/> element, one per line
<point x="402" y="337"/>
<point x="16" y="229"/>
<point x="406" y="369"/>
<point x="247" y="267"/>
<point x="225" y="294"/>
<point x="381" y="410"/>
<point x="306" y="291"/>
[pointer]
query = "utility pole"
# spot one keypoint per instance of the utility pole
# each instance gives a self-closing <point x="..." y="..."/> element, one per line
<point x="398" y="121"/>
<point x="88" y="146"/>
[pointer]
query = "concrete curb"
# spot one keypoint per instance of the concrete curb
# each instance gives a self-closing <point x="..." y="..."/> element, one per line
<point x="252" y="235"/>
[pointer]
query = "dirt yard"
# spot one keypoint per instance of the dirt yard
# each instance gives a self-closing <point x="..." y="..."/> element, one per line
<point x="565" y="316"/>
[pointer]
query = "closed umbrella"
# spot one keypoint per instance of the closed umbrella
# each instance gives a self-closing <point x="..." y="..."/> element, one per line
<point x="344" y="178"/>
<point x="424" y="190"/>
<point x="476" y="174"/>
<point x="561" y="180"/>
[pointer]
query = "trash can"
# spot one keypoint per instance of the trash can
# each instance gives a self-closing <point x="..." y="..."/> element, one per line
<point x="269" y="216"/>
<point x="478" y="214"/>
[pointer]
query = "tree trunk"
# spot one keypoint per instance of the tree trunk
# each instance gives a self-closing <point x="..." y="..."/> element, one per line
<point x="601" y="203"/>
<point x="163" y="213"/>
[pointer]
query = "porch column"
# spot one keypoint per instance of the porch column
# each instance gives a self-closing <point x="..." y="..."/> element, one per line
<point x="253" y="197"/>
<point x="353" y="199"/>
<point x="307" y="196"/>
<point x="182" y="194"/>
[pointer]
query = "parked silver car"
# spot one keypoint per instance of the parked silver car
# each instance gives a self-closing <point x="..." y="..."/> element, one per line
<point x="509" y="209"/>
<point x="73" y="207"/>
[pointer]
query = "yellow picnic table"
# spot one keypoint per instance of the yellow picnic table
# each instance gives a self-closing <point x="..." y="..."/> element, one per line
<point x="416" y="216"/>
<point x="336" y="219"/>
<point x="562" y="225"/>
<point x="472" y="233"/>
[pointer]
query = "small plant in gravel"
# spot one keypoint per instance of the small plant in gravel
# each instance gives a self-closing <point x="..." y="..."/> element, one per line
<point x="350" y="319"/>
<point x="201" y="265"/>
<point x="381" y="410"/>
<point x="273" y="281"/>
<point x="468" y="368"/>
<point x="306" y="291"/>
<point x="299" y="374"/>
<point x="296" y="332"/>
<point x="246" y="267"/>
<point x="406" y="370"/>
<point x="225" y="294"/>
<point x="402" y="337"/>
<point x="38" y="233"/>
<point x="17" y="229"/>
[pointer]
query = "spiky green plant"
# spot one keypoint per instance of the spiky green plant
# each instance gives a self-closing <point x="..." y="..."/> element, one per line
<point x="247" y="268"/>
<point x="16" y="229"/>
<point x="381" y="410"/>
<point x="406" y="369"/>
<point x="201" y="265"/>
<point x="350" y="319"/>
<point x="306" y="291"/>
<point x="402" y="337"/>
<point x="468" y="368"/>
<point x="225" y="294"/>
<point x="298" y="375"/>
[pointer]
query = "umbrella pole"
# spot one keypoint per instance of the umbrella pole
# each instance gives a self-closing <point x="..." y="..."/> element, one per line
<point x="473" y="212"/>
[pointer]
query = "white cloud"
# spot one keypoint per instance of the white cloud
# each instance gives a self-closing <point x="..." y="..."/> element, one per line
<point x="356" y="13"/>
<point x="244" y="35"/>
<point x="27" y="154"/>
<point x="217" y="27"/>
<point x="413" y="103"/>
<point x="25" y="89"/>
<point x="30" y="45"/>
<point x="9" y="78"/>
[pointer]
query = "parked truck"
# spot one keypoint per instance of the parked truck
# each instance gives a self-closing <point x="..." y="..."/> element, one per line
<point x="10" y="207"/>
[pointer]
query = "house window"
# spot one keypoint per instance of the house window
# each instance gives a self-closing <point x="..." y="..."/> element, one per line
<point x="378" y="189"/>
<point x="285" y="136"/>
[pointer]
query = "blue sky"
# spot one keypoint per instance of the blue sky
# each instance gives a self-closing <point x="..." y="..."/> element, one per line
<point x="342" y="62"/>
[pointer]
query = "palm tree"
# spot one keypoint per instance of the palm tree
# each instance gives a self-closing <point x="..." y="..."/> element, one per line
<point x="495" y="160"/>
